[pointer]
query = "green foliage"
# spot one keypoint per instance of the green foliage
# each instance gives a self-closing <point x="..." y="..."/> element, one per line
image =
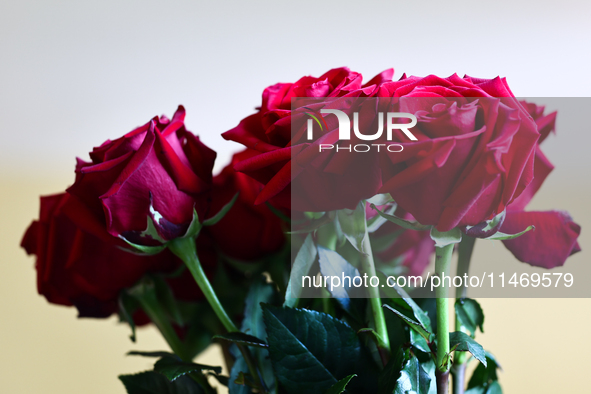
<point x="310" y="351"/>
<point x="470" y="315"/>
<point x="340" y="386"/>
<point x="464" y="343"/>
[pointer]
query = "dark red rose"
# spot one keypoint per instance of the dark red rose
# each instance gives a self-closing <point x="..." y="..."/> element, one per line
<point x="294" y="175"/>
<point x="248" y="231"/>
<point x="474" y="155"/>
<point x="159" y="171"/>
<point x="79" y="263"/>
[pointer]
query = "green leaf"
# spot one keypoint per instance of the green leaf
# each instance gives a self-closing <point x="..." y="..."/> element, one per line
<point x="353" y="225"/>
<point x="334" y="265"/>
<point x="194" y="227"/>
<point x="173" y="367"/>
<point x="237" y="369"/>
<point x="158" y="354"/>
<point x="310" y="351"/>
<point x="154" y="383"/>
<point x="407" y="224"/>
<point x="412" y="379"/>
<point x="125" y="303"/>
<point x="389" y="376"/>
<point x="485" y="375"/>
<point x="260" y="292"/>
<point x="419" y="342"/>
<point x="340" y="386"/>
<point x="407" y="302"/>
<point x="415" y="325"/>
<point x="242" y="338"/>
<point x="470" y="314"/>
<point x="442" y="239"/>
<point x="465" y="343"/>
<point x="300" y="267"/>
<point x="218" y="216"/>
<point x="499" y="236"/>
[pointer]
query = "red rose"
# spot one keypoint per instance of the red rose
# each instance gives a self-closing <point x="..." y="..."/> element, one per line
<point x="79" y="263"/>
<point x="159" y="171"/>
<point x="474" y="154"/>
<point x="248" y="231"/>
<point x="333" y="181"/>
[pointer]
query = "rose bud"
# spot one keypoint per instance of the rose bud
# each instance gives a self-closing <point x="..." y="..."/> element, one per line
<point x="159" y="172"/>
<point x="294" y="173"/>
<point x="248" y="231"/>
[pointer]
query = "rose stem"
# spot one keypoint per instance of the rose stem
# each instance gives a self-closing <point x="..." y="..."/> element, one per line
<point x="186" y="250"/>
<point x="464" y="256"/>
<point x="145" y="294"/>
<point x="368" y="266"/>
<point x="442" y="266"/>
<point x="326" y="236"/>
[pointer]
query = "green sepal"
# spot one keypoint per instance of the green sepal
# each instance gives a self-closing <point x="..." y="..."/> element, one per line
<point x="142" y="250"/>
<point x="314" y="225"/>
<point x="300" y="267"/>
<point x="464" y="343"/>
<point x="353" y="225"/>
<point x="194" y="227"/>
<point x="499" y="236"/>
<point x="278" y="213"/>
<point x="446" y="238"/>
<point x="470" y="314"/>
<point x="242" y="338"/>
<point x="222" y="212"/>
<point x="380" y="199"/>
<point x="490" y="226"/>
<point x="377" y="221"/>
<point x="340" y="386"/>
<point x="407" y="224"/>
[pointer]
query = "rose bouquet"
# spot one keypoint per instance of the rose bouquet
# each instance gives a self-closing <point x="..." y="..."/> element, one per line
<point x="305" y="258"/>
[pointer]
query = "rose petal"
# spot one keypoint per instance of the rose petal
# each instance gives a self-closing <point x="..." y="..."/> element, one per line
<point x="549" y="245"/>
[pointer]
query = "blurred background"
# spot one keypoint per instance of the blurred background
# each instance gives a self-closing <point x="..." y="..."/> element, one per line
<point x="73" y="74"/>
